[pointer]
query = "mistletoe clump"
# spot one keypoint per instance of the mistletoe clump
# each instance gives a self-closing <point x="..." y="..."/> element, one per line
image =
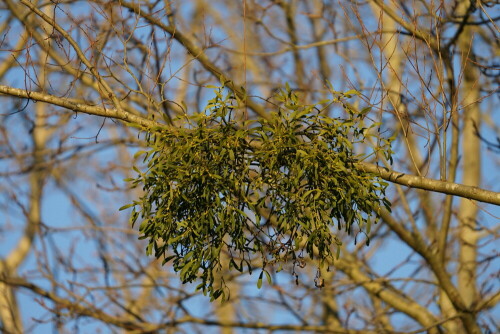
<point x="264" y="191"/>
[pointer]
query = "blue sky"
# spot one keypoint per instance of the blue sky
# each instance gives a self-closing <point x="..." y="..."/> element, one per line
<point x="59" y="213"/>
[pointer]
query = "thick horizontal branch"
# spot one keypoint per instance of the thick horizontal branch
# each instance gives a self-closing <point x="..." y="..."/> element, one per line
<point x="473" y="193"/>
<point x="413" y="181"/>
<point x="74" y="105"/>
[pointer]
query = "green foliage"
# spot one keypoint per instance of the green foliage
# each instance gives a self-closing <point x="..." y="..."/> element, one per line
<point x="269" y="191"/>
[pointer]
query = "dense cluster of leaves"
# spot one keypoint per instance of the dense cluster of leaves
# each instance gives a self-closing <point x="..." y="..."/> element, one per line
<point x="270" y="189"/>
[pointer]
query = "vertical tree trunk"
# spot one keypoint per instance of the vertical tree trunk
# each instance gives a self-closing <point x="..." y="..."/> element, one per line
<point x="471" y="159"/>
<point x="9" y="310"/>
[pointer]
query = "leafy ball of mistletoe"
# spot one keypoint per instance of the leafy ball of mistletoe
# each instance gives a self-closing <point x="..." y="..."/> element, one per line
<point x="222" y="194"/>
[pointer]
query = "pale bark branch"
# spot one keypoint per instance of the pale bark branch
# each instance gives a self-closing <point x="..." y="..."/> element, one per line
<point x="414" y="30"/>
<point x="351" y="267"/>
<point x="81" y="55"/>
<point x="77" y="309"/>
<point x="199" y="54"/>
<point x="467" y="316"/>
<point x="412" y="181"/>
<point x="78" y="106"/>
<point x="419" y="182"/>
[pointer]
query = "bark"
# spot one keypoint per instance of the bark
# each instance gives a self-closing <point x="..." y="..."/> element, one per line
<point x="471" y="159"/>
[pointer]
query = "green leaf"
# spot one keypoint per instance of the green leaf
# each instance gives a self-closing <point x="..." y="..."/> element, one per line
<point x="259" y="281"/>
<point x="366" y="110"/>
<point x="327" y="101"/>
<point x="207" y="184"/>
<point x="268" y="276"/>
<point x="352" y="92"/>
<point x="139" y="153"/>
<point x="126" y="207"/>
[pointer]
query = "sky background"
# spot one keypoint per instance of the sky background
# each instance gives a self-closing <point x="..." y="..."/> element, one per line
<point x="73" y="234"/>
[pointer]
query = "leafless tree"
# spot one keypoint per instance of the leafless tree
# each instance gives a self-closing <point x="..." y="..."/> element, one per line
<point x="75" y="74"/>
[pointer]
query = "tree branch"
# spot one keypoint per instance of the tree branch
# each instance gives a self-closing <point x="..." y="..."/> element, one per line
<point x="149" y="327"/>
<point x="198" y="54"/>
<point x="412" y="181"/>
<point x="79" y="106"/>
<point x="449" y="188"/>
